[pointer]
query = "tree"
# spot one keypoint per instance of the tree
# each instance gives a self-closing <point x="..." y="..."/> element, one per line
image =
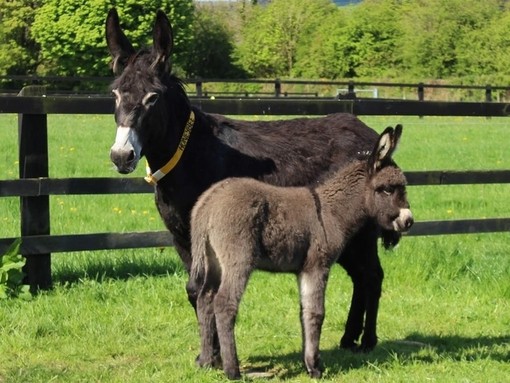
<point x="372" y="35"/>
<point x="483" y="54"/>
<point x="328" y="53"/>
<point x="433" y="30"/>
<point x="18" y="50"/>
<point x="71" y="32"/>
<point x="273" y="33"/>
<point x="210" y="53"/>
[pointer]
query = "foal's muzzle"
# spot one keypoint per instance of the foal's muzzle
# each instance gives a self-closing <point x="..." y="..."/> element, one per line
<point x="404" y="221"/>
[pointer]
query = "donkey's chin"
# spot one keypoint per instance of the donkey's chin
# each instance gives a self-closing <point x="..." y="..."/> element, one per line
<point x="126" y="169"/>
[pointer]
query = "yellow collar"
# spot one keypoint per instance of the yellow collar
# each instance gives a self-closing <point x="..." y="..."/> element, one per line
<point x="154" y="178"/>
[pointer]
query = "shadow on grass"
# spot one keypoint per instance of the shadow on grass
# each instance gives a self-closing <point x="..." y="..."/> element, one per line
<point x="104" y="268"/>
<point x="415" y="348"/>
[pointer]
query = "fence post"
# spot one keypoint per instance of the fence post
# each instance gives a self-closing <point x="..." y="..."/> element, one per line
<point x="35" y="211"/>
<point x="351" y="93"/>
<point x="277" y="87"/>
<point x="421" y="92"/>
<point x="488" y="93"/>
<point x="198" y="86"/>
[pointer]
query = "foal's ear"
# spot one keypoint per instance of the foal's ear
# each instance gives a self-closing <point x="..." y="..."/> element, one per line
<point x="385" y="147"/>
<point x="118" y="44"/>
<point x="163" y="40"/>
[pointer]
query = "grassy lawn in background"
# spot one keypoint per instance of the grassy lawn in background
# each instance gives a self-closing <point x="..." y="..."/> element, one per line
<point x="123" y="316"/>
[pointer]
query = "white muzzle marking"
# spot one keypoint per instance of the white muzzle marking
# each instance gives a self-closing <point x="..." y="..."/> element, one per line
<point x="403" y="221"/>
<point x="126" y="140"/>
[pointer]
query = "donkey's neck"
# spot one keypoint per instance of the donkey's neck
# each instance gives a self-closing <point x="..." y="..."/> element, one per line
<point x="343" y="196"/>
<point x="174" y="114"/>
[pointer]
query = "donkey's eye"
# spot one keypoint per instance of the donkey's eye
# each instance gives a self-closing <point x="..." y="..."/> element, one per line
<point x="117" y="96"/>
<point x="150" y="99"/>
<point x="387" y="190"/>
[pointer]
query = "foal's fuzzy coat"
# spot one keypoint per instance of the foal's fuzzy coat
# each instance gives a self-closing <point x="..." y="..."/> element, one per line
<point x="241" y="224"/>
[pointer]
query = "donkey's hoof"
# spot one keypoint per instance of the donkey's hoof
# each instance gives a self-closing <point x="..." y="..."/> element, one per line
<point x="367" y="344"/>
<point x="315" y="373"/>
<point x="348" y="344"/>
<point x="212" y="362"/>
<point x="233" y="373"/>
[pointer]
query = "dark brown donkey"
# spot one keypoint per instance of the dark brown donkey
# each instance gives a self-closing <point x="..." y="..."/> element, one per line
<point x="242" y="224"/>
<point x="194" y="149"/>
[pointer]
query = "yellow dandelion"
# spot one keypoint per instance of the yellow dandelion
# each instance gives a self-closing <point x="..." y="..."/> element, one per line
<point x="73" y="209"/>
<point x="449" y="211"/>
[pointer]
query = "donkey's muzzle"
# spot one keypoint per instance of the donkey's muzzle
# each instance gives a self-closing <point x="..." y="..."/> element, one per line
<point x="404" y="221"/>
<point x="124" y="160"/>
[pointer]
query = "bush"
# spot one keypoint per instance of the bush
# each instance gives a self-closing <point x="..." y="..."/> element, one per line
<point x="11" y="273"/>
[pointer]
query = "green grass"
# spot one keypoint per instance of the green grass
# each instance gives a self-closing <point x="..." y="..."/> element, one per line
<point x="123" y="316"/>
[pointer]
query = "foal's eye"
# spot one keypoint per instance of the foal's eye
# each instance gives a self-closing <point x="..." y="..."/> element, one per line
<point x="387" y="190"/>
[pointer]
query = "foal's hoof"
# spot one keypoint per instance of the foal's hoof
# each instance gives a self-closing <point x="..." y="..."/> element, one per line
<point x="214" y="362"/>
<point x="315" y="373"/>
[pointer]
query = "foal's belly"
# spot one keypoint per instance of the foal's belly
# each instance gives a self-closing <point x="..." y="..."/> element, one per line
<point x="282" y="257"/>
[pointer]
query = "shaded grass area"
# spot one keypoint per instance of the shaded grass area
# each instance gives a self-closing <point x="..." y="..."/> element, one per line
<point x="442" y="322"/>
<point x="123" y="316"/>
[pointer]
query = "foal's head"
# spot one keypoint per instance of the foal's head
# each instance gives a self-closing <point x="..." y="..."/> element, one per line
<point x="386" y="193"/>
<point x="147" y="97"/>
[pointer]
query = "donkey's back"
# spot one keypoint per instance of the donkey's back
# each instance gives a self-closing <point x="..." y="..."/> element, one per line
<point x="277" y="224"/>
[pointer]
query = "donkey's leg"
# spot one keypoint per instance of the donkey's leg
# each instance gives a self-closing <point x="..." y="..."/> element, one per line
<point x="226" y="305"/>
<point x="373" y="279"/>
<point x="312" y="285"/>
<point x="361" y="261"/>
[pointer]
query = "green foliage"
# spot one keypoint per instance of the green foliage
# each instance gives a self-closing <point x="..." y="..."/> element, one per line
<point x="11" y="274"/>
<point x="18" y="50"/>
<point x="210" y="52"/>
<point x="71" y="32"/>
<point x="435" y="33"/>
<point x="464" y="41"/>
<point x="273" y="33"/>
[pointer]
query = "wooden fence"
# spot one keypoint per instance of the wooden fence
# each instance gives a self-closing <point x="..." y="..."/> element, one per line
<point x="34" y="187"/>
<point x="197" y="87"/>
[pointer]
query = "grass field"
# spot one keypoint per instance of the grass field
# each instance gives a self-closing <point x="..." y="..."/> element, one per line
<point x="123" y="316"/>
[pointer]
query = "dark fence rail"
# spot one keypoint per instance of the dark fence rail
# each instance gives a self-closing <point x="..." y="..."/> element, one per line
<point x="98" y="85"/>
<point x="34" y="187"/>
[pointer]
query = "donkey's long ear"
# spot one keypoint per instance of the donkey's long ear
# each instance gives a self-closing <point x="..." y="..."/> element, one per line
<point x="118" y="44"/>
<point x="386" y="145"/>
<point x="163" y="40"/>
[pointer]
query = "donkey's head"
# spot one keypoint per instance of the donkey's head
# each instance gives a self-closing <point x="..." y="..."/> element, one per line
<point x="386" y="198"/>
<point x="143" y="91"/>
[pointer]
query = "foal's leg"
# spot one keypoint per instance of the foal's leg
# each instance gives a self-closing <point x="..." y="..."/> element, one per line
<point x="312" y="285"/>
<point x="209" y="353"/>
<point x="226" y="305"/>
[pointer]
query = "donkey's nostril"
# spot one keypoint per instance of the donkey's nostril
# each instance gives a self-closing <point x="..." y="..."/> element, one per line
<point x="131" y="156"/>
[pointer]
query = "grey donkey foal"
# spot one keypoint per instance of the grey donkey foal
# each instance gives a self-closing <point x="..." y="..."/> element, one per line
<point x="241" y="224"/>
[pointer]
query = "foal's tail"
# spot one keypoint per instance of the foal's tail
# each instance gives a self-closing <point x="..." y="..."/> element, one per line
<point x="198" y="265"/>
